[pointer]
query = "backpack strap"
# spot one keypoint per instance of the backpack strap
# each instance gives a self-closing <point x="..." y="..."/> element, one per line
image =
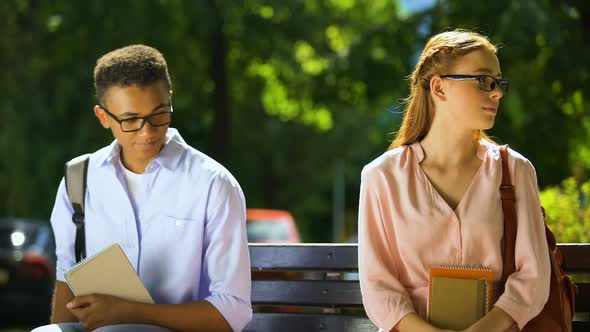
<point x="507" y="195"/>
<point x="75" y="176"/>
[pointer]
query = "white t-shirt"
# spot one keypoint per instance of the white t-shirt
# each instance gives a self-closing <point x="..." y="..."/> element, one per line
<point x="136" y="185"/>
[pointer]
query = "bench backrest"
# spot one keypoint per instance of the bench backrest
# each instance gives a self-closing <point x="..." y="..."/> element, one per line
<point x="314" y="287"/>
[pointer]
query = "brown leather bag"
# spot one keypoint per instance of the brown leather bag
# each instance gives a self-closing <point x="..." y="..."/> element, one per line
<point x="559" y="310"/>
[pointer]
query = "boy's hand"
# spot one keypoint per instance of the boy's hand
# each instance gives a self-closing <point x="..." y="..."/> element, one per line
<point x="95" y="311"/>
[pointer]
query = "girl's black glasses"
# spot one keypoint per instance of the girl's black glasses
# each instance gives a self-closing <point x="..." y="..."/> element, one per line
<point x="486" y="82"/>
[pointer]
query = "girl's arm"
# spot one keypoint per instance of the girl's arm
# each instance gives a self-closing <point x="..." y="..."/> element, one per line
<point x="526" y="290"/>
<point x="495" y="320"/>
<point x="385" y="298"/>
<point x="412" y="322"/>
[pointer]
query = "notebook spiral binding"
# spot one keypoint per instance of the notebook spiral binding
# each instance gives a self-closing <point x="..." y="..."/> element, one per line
<point x="463" y="267"/>
<point x="87" y="259"/>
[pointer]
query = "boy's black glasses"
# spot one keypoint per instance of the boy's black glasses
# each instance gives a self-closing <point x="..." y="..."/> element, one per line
<point x="486" y="82"/>
<point x="136" y="123"/>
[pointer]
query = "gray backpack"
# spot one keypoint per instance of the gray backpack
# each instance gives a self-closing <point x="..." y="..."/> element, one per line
<point x="75" y="176"/>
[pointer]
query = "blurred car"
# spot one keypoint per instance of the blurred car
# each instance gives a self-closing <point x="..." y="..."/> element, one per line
<point x="271" y="226"/>
<point x="27" y="270"/>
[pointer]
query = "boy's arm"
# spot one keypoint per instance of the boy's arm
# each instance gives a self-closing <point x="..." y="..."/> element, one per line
<point x="225" y="270"/>
<point x="64" y="232"/>
<point x="61" y="296"/>
<point x="193" y="316"/>
<point x="96" y="311"/>
<point x="225" y="274"/>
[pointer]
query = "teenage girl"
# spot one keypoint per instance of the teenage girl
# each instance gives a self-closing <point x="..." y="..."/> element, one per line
<point x="433" y="197"/>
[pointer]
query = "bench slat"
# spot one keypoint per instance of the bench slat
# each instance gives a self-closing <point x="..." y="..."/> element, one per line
<point x="333" y="257"/>
<point x="583" y="298"/>
<point x="306" y="292"/>
<point x="321" y="258"/>
<point x="576" y="256"/>
<point x="289" y="322"/>
<point x="344" y="257"/>
<point x="581" y="326"/>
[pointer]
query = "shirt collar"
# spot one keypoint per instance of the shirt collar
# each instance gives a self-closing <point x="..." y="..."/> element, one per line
<point x="173" y="150"/>
<point x="482" y="150"/>
<point x="168" y="158"/>
<point x="488" y="148"/>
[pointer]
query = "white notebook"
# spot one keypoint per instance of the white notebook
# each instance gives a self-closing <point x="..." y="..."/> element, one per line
<point x="108" y="272"/>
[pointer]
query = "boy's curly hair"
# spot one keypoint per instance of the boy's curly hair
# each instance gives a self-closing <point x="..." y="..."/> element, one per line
<point x="131" y="65"/>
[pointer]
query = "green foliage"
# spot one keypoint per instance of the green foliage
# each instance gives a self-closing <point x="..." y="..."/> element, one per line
<point x="294" y="88"/>
<point x="545" y="114"/>
<point x="541" y="116"/>
<point x="568" y="210"/>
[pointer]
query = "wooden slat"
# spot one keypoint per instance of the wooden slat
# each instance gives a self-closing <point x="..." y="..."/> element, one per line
<point x="306" y="292"/>
<point x="344" y="256"/>
<point x="583" y="298"/>
<point x="285" y="322"/>
<point x="288" y="322"/>
<point x="340" y="293"/>
<point x="581" y="326"/>
<point x="335" y="293"/>
<point x="576" y="256"/>
<point x="318" y="257"/>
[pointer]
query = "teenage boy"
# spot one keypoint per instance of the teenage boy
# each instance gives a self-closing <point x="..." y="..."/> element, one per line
<point x="178" y="215"/>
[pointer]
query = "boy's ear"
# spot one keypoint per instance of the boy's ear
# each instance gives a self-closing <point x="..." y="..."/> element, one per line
<point x="102" y="116"/>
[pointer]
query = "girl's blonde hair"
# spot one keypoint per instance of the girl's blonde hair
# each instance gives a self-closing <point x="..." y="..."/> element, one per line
<point x="438" y="55"/>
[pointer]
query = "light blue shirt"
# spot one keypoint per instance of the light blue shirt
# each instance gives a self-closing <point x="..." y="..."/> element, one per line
<point x="186" y="237"/>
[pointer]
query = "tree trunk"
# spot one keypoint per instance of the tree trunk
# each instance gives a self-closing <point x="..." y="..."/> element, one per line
<point x="219" y="138"/>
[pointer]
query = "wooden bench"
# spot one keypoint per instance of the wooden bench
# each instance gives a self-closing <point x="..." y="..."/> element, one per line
<point x="314" y="287"/>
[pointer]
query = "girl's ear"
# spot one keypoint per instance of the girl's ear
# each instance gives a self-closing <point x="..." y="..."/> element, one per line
<point x="437" y="88"/>
<point x="102" y="116"/>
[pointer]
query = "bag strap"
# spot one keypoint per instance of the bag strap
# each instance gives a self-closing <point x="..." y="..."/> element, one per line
<point x="508" y="208"/>
<point x="75" y="176"/>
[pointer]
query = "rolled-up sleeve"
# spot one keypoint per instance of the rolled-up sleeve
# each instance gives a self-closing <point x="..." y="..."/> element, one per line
<point x="385" y="299"/>
<point x="527" y="289"/>
<point x="226" y="260"/>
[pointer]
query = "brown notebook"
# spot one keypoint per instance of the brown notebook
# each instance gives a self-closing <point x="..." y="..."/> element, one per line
<point x="107" y="272"/>
<point x="458" y="295"/>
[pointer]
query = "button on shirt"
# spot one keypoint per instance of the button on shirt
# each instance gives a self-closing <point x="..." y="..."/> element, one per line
<point x="405" y="226"/>
<point x="186" y="237"/>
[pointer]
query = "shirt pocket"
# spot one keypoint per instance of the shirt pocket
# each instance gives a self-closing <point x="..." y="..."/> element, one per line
<point x="171" y="236"/>
<point x="171" y="256"/>
<point x="182" y="230"/>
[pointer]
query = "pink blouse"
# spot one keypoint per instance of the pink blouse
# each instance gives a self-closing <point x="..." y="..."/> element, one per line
<point x="405" y="226"/>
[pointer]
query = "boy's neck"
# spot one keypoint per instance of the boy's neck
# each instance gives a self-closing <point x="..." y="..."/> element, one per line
<point x="135" y="165"/>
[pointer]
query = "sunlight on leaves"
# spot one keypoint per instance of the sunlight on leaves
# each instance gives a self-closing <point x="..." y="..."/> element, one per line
<point x="277" y="102"/>
<point x="342" y="5"/>
<point x="310" y="62"/>
<point x="54" y="22"/>
<point x="339" y="39"/>
<point x="575" y="105"/>
<point x="568" y="210"/>
<point x="266" y="12"/>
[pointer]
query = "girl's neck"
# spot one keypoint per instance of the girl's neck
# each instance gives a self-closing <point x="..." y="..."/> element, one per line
<point x="448" y="145"/>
